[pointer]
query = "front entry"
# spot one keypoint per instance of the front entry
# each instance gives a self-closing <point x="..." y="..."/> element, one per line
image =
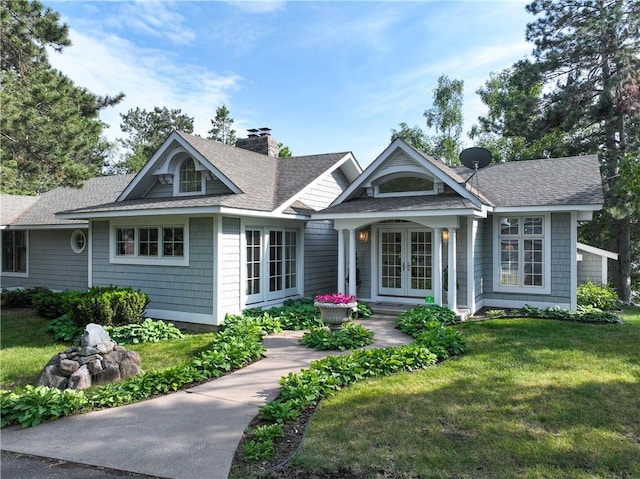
<point x="405" y="258"/>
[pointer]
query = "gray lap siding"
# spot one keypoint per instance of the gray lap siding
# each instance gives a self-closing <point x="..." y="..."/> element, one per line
<point x="186" y="289"/>
<point x="320" y="257"/>
<point x="52" y="262"/>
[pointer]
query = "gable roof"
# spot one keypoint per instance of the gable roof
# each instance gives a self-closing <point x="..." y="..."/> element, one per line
<point x="261" y="183"/>
<point x="547" y="182"/>
<point x="560" y="183"/>
<point x="42" y="210"/>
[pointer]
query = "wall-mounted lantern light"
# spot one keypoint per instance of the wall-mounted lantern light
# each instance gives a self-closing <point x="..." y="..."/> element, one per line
<point x="363" y="235"/>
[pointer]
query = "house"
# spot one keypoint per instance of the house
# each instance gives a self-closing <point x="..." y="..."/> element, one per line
<point x="207" y="229"/>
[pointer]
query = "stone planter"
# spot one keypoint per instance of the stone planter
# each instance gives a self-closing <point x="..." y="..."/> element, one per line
<point x="333" y="315"/>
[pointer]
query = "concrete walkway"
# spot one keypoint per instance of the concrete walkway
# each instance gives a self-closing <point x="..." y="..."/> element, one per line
<point x="190" y="434"/>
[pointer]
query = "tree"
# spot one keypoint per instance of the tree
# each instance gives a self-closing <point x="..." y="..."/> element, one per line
<point x="147" y="130"/>
<point x="221" y="127"/>
<point x="415" y="136"/>
<point x="587" y="53"/>
<point x="50" y="128"/>
<point x="445" y="117"/>
<point x="284" y="151"/>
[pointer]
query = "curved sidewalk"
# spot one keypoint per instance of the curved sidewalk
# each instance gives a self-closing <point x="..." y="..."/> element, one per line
<point x="190" y="434"/>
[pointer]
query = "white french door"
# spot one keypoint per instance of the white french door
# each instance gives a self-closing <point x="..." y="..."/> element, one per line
<point x="405" y="256"/>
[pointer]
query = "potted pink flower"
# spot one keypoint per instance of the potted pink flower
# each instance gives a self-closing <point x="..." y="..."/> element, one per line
<point x="335" y="308"/>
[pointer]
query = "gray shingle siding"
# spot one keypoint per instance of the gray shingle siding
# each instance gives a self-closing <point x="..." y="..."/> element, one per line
<point x="590" y="268"/>
<point x="479" y="261"/>
<point x="363" y="251"/>
<point x="560" y="265"/>
<point x="229" y="262"/>
<point x="174" y="288"/>
<point x="320" y="257"/>
<point x="461" y="263"/>
<point x="321" y="194"/>
<point x="52" y="262"/>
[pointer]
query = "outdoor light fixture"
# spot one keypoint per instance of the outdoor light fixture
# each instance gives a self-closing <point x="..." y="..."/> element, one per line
<point x="363" y="235"/>
<point x="445" y="235"/>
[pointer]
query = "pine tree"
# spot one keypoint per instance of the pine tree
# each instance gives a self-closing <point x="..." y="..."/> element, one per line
<point x="51" y="132"/>
<point x="147" y="130"/>
<point x="588" y="51"/>
<point x="221" y="127"/>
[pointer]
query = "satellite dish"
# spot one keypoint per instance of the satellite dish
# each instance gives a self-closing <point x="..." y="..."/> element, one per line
<point x="475" y="158"/>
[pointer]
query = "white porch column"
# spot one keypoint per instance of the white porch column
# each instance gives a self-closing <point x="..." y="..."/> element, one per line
<point x="352" y="262"/>
<point x="437" y="266"/>
<point x="452" y="294"/>
<point x="341" y="262"/>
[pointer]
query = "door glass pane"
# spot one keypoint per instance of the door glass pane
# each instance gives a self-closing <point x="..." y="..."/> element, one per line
<point x="275" y="260"/>
<point x="421" y="260"/>
<point x="290" y="264"/>
<point x="509" y="262"/>
<point x="532" y="252"/>
<point x="391" y="249"/>
<point x="254" y="249"/>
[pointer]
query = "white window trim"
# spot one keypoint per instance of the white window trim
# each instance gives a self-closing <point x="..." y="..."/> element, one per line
<point x="73" y="241"/>
<point x="17" y="274"/>
<point x="148" y="260"/>
<point x="384" y="179"/>
<point x="176" y="179"/>
<point x="546" y="264"/>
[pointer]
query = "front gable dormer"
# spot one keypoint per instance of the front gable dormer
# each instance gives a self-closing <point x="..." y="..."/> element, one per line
<point x="402" y="171"/>
<point x="177" y="169"/>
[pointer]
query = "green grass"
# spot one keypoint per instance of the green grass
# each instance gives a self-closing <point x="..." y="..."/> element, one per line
<point x="26" y="346"/>
<point x="530" y="399"/>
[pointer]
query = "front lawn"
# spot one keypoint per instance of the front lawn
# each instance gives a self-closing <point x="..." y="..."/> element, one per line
<point x="26" y="346"/>
<point x="529" y="399"/>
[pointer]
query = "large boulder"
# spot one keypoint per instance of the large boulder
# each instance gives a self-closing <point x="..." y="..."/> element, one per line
<point x="99" y="360"/>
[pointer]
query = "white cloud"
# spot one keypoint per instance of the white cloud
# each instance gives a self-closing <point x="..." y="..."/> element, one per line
<point x="259" y="6"/>
<point x="109" y="65"/>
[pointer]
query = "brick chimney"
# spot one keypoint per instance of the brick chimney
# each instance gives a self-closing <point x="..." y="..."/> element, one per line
<point x="260" y="141"/>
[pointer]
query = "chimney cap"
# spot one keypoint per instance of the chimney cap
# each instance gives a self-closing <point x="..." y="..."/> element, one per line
<point x="264" y="131"/>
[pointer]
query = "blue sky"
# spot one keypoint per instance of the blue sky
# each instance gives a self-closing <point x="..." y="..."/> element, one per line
<point x="325" y="76"/>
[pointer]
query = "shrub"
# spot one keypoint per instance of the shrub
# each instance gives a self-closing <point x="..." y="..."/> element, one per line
<point x="36" y="404"/>
<point x="601" y="297"/>
<point x="20" y="298"/>
<point x="53" y="305"/>
<point x="584" y="314"/>
<point x="261" y="446"/>
<point x="109" y="306"/>
<point x="149" y="331"/>
<point x="64" y="329"/>
<point x="349" y="336"/>
<point x="420" y="318"/>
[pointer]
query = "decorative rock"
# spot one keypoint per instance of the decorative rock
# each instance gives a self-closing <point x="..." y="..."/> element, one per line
<point x="95" y="367"/>
<point x="94" y="334"/>
<point x="49" y="377"/>
<point x="81" y="379"/>
<point x="109" y="374"/>
<point x="99" y="361"/>
<point x="67" y="367"/>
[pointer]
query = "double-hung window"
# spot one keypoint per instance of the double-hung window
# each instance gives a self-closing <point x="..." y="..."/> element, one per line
<point x="14" y="252"/>
<point x="149" y="244"/>
<point x="522" y="252"/>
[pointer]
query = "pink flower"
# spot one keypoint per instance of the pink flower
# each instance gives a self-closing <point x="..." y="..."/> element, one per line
<point x="335" y="298"/>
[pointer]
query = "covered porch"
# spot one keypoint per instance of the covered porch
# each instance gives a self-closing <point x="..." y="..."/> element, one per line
<point x="391" y="261"/>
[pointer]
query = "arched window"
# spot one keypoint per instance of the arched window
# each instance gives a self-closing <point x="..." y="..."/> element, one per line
<point x="190" y="178"/>
<point x="406" y="185"/>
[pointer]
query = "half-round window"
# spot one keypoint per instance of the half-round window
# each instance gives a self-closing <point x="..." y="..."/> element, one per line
<point x="190" y="178"/>
<point x="78" y="241"/>
<point x="406" y="184"/>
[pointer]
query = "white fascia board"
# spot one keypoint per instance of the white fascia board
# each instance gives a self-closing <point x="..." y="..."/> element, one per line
<point x="187" y="210"/>
<point x="73" y="226"/>
<point x="334" y="167"/>
<point x="546" y="209"/>
<point x="597" y="251"/>
<point x="384" y="215"/>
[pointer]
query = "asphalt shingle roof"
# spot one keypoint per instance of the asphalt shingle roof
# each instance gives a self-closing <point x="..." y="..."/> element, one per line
<point x="547" y="182"/>
<point x="12" y="206"/>
<point x="265" y="182"/>
<point x="101" y="189"/>
<point x="400" y="204"/>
